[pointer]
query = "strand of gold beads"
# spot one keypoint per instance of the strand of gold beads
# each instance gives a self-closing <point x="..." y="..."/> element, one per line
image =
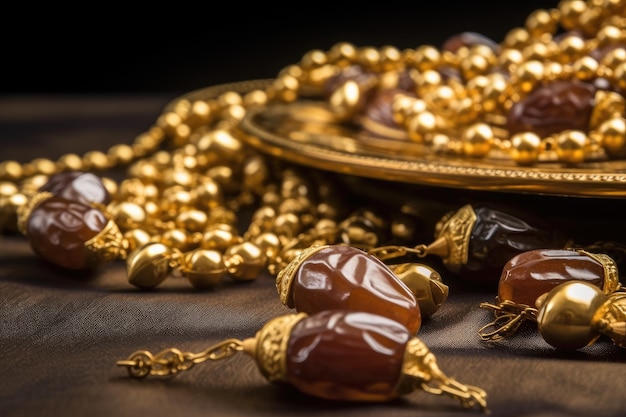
<point x="190" y="174"/>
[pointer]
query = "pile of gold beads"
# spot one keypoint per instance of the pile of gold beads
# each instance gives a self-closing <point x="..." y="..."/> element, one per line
<point x="190" y="175"/>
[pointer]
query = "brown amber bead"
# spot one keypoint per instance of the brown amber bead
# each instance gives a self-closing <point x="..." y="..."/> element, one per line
<point x="531" y="274"/>
<point x="552" y="108"/>
<point x="345" y="277"/>
<point x="77" y="186"/>
<point x="57" y="230"/>
<point x="346" y="355"/>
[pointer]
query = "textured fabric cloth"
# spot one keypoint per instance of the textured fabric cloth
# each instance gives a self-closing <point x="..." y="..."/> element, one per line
<point x="61" y="333"/>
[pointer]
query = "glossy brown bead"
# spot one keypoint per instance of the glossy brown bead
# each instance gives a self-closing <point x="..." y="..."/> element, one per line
<point x="500" y="234"/>
<point x="346" y="355"/>
<point x="57" y="230"/>
<point x="552" y="108"/>
<point x="345" y="277"/>
<point x="531" y="274"/>
<point x="77" y="186"/>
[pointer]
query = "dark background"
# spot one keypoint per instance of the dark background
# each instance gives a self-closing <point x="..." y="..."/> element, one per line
<point x="181" y="46"/>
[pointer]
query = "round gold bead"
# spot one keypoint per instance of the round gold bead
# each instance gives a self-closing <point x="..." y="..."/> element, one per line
<point x="11" y="170"/>
<point x="610" y="35"/>
<point x="208" y="193"/>
<point x="286" y="224"/>
<point x="145" y="170"/>
<point x="203" y="268"/>
<point x="42" y="166"/>
<point x="390" y="58"/>
<point x="585" y="68"/>
<point x="528" y="74"/>
<point x="516" y="38"/>
<point x="509" y="59"/>
<point x="219" y="239"/>
<point x="96" y="160"/>
<point x="368" y="57"/>
<point x="464" y="110"/>
<point x="269" y="243"/>
<point x="136" y="238"/>
<point x="493" y="93"/>
<point x="476" y="86"/>
<point x="313" y="59"/>
<point x="571" y="146"/>
<point x="244" y="261"/>
<point x="426" y="57"/>
<point x="175" y="238"/>
<point x="110" y="185"/>
<point x="285" y="88"/>
<point x="229" y="98"/>
<point x="343" y="54"/>
<point x="421" y="125"/>
<point x="168" y="122"/>
<point x="70" y="162"/>
<point x="542" y="21"/>
<point x="473" y="65"/>
<point x="127" y="215"/>
<point x="149" y="265"/>
<point x="614" y="57"/>
<point x="192" y="220"/>
<point x="121" y="154"/>
<point x="539" y="51"/>
<point x="613" y="133"/>
<point x="345" y="100"/>
<point x="255" y="98"/>
<point x="565" y="315"/>
<point x="477" y="140"/>
<point x="570" y="47"/>
<point x="404" y="106"/>
<point x="590" y="20"/>
<point x="570" y="12"/>
<point x="7" y="189"/>
<point x="525" y="148"/>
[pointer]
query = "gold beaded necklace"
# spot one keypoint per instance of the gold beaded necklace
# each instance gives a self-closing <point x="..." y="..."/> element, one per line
<point x="192" y="174"/>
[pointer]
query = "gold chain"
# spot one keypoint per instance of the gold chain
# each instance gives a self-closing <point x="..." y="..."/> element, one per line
<point x="190" y="178"/>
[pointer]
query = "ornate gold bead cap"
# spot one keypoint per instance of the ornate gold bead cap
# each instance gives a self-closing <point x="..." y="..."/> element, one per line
<point x="269" y="346"/>
<point x="452" y="239"/>
<point x="23" y="212"/>
<point x="286" y="275"/>
<point x="425" y="283"/>
<point x="611" y="274"/>
<point x="109" y="244"/>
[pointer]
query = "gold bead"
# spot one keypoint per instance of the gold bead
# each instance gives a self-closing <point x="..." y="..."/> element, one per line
<point x="403" y="106"/>
<point x="121" y="154"/>
<point x="477" y="140"/>
<point x="177" y="177"/>
<point x="229" y="98"/>
<point x="476" y="86"/>
<point x="425" y="283"/>
<point x="610" y="35"/>
<point x="613" y="133"/>
<point x="516" y="38"/>
<point x="219" y="239"/>
<point x="525" y="148"/>
<point x="191" y="220"/>
<point x="203" y="268"/>
<point x="127" y="215"/>
<point x="570" y="12"/>
<point x="565" y="315"/>
<point x="345" y="100"/>
<point x="200" y="114"/>
<point x="528" y="74"/>
<point x="208" y="193"/>
<point x="421" y="126"/>
<point x="149" y="265"/>
<point x="10" y="170"/>
<point x="465" y="110"/>
<point x="145" y="170"/>
<point x="110" y="185"/>
<point x="255" y="98"/>
<point x="492" y="94"/>
<point x="590" y="20"/>
<point x="7" y="189"/>
<point x="269" y="244"/>
<point x="509" y="58"/>
<point x="42" y="166"/>
<point x="426" y="57"/>
<point x="9" y="206"/>
<point x="614" y="57"/>
<point x="343" y="54"/>
<point x="426" y="81"/>
<point x="571" y="47"/>
<point x="440" y="99"/>
<point x="539" y="51"/>
<point x="70" y="162"/>
<point x="368" y="57"/>
<point x="31" y="185"/>
<point x="571" y="146"/>
<point x="542" y="21"/>
<point x="168" y="122"/>
<point x="175" y="238"/>
<point x="176" y="198"/>
<point x="136" y="238"/>
<point x="96" y="160"/>
<point x="585" y="68"/>
<point x="245" y="261"/>
<point x="286" y="224"/>
<point x="285" y="88"/>
<point x="390" y="58"/>
<point x="313" y="59"/>
<point x="475" y="64"/>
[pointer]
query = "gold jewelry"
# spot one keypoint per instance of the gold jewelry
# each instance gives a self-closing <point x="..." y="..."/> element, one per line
<point x="191" y="175"/>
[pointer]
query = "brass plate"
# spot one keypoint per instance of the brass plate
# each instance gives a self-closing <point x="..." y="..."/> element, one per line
<point x="305" y="133"/>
